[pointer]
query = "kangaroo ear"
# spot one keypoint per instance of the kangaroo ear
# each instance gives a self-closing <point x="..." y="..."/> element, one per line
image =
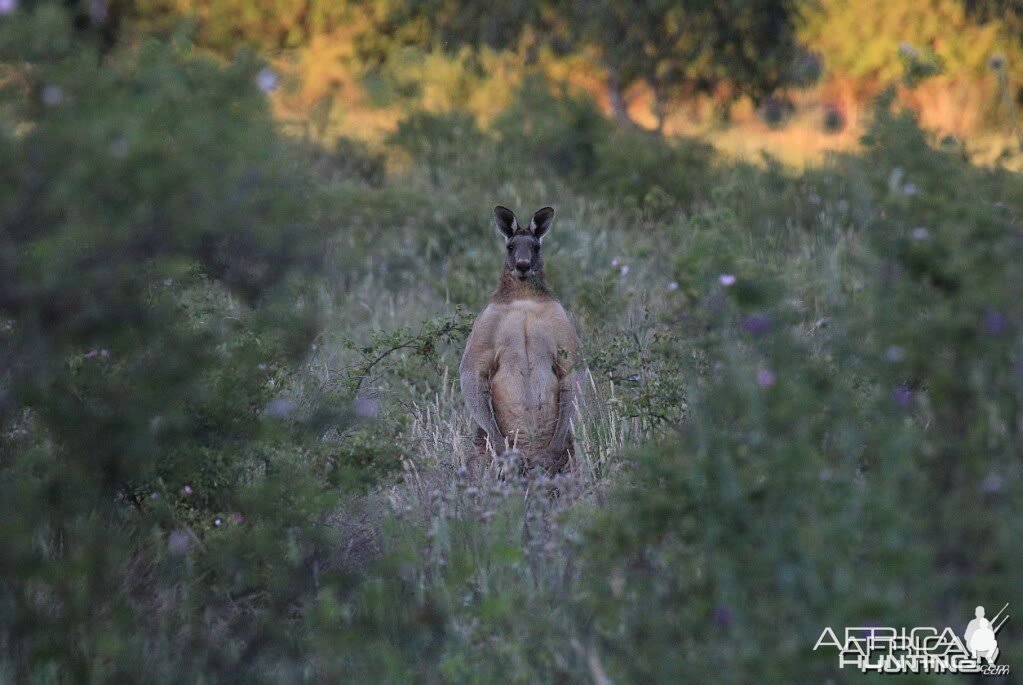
<point x="506" y="222"/>
<point x="541" y="222"/>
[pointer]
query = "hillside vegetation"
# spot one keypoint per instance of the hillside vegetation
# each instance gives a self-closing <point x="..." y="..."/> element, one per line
<point x="232" y="442"/>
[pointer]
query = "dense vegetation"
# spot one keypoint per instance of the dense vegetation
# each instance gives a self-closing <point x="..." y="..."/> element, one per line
<point x="657" y="62"/>
<point x="231" y="447"/>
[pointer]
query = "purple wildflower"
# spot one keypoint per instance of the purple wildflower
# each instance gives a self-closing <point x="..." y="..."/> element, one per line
<point x="992" y="484"/>
<point x="267" y="80"/>
<point x="52" y="95"/>
<point x="994" y="322"/>
<point x="895" y="354"/>
<point x="722" y="616"/>
<point x="902" y="395"/>
<point x="757" y="324"/>
<point x="765" y="378"/>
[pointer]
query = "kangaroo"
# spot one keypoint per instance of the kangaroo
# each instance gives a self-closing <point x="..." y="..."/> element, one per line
<point x="518" y="372"/>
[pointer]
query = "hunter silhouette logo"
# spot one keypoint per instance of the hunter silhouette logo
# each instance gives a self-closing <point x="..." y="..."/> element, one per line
<point x="980" y="635"/>
<point x="922" y="649"/>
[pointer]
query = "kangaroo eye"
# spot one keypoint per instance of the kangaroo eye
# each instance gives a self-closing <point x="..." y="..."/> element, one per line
<point x="510" y="248"/>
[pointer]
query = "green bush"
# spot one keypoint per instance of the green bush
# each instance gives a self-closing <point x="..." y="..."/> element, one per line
<point x="652" y="174"/>
<point x="226" y="26"/>
<point x="549" y="128"/>
<point x="158" y="287"/>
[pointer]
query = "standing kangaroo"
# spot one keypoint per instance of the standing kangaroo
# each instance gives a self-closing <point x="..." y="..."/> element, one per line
<point x="518" y="373"/>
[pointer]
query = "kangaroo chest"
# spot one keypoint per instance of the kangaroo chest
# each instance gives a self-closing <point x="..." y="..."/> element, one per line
<point x="525" y="384"/>
<point x="525" y="336"/>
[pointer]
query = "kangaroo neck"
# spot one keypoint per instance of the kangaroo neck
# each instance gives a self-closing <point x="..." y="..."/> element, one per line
<point x="512" y="288"/>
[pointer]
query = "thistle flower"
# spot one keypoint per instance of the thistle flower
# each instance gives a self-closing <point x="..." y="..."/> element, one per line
<point x="902" y="395"/>
<point x="994" y="322"/>
<point x="8" y="6"/>
<point x="765" y="378"/>
<point x="757" y="324"/>
<point x="722" y="616"/>
<point x="992" y="484"/>
<point x="267" y="80"/>
<point x="52" y="95"/>
<point x="726" y="280"/>
<point x="894" y="354"/>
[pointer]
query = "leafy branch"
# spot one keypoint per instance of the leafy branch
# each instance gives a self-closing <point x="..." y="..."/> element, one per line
<point x="424" y="343"/>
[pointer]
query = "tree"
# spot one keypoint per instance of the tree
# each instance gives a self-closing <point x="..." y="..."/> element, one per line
<point x="680" y="49"/>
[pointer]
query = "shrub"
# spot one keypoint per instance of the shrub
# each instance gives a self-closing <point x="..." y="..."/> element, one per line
<point x="549" y="128"/>
<point x="157" y="284"/>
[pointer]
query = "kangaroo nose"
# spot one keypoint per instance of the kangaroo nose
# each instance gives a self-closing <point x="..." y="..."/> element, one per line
<point x="522" y="265"/>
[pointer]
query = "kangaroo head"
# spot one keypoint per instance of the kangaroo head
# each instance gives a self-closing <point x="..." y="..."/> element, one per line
<point x="523" y="258"/>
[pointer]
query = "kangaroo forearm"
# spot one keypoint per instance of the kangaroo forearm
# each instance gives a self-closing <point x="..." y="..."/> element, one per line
<point x="566" y="407"/>
<point x="477" y="397"/>
<point x="485" y="418"/>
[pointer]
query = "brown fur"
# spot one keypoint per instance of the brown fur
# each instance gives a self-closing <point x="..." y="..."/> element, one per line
<point x="512" y="288"/>
<point x="518" y="371"/>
